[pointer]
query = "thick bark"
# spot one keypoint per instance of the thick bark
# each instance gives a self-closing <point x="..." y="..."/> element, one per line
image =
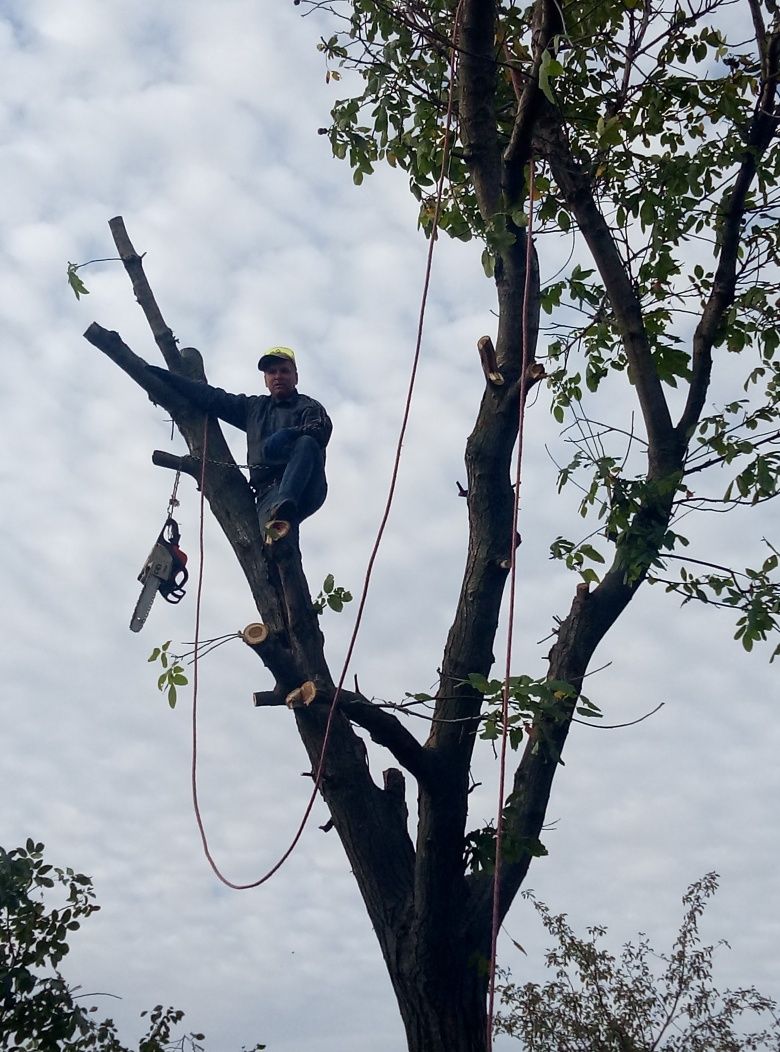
<point x="477" y="74"/>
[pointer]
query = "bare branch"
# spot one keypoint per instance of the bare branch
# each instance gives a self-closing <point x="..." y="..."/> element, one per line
<point x="163" y="336"/>
<point x="762" y="129"/>
<point x="578" y="192"/>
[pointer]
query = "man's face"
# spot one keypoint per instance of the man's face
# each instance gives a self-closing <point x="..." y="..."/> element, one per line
<point x="281" y="377"/>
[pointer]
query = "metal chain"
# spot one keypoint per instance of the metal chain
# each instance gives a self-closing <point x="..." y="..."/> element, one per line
<point x="173" y="502"/>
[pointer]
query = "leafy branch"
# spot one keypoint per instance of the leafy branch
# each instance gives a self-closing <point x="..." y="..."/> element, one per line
<point x="75" y="282"/>
<point x="332" y="596"/>
<point x="172" y="675"/>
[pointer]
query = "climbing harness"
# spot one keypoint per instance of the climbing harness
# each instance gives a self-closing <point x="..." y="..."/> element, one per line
<point x="165" y="570"/>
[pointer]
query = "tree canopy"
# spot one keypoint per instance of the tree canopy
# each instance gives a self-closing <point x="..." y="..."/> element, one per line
<point x="39" y="1010"/>
<point x="652" y="128"/>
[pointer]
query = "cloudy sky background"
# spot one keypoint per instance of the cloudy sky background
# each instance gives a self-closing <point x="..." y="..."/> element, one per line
<point x="197" y="122"/>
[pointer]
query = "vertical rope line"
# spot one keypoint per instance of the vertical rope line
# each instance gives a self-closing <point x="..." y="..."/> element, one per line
<point x="412" y="379"/>
<point x="380" y="532"/>
<point x="496" y="922"/>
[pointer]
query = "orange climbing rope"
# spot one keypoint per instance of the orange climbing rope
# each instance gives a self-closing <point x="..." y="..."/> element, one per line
<point x="511" y="619"/>
<point x="380" y="532"/>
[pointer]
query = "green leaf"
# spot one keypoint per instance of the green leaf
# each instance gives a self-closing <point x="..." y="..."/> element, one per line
<point x="154" y="654"/>
<point x="591" y="553"/>
<point x="328" y="583"/>
<point x="478" y="682"/>
<point x="488" y="263"/>
<point x="547" y="63"/>
<point x="75" y="282"/>
<point x="172" y="696"/>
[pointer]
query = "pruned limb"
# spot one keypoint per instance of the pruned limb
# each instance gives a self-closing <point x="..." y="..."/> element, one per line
<point x="534" y="372"/>
<point x="487" y="357"/>
<point x="163" y="336"/>
<point x="112" y="345"/>
<point x="301" y="696"/>
<point x="187" y="464"/>
<point x="395" y="785"/>
<point x="384" y="728"/>
<point x="263" y="699"/>
<point x="255" y="633"/>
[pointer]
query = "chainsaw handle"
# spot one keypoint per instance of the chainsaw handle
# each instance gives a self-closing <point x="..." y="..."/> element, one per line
<point x="180" y="578"/>
<point x="174" y="536"/>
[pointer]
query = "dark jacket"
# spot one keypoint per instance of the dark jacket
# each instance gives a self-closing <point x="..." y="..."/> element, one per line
<point x="260" y="416"/>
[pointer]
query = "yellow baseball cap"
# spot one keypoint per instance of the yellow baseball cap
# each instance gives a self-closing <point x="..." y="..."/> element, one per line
<point x="276" y="352"/>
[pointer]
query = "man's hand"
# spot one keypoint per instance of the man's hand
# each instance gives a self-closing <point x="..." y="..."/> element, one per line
<point x="277" y="446"/>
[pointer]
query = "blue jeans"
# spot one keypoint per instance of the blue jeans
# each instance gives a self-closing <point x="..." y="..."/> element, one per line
<point x="302" y="479"/>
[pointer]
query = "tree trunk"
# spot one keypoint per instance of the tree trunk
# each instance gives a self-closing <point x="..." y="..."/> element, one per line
<point x="443" y="1001"/>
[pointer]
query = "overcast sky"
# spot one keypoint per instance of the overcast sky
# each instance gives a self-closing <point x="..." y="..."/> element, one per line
<point x="198" y="123"/>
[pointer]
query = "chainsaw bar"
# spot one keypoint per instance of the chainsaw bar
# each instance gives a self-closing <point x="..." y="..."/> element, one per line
<point x="156" y="572"/>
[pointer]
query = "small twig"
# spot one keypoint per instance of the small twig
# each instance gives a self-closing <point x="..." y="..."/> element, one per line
<point x="617" y="726"/>
<point x="96" y="993"/>
<point x="78" y="266"/>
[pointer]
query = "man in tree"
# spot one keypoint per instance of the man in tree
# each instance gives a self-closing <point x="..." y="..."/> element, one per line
<point x="287" y="433"/>
<point x="668" y="180"/>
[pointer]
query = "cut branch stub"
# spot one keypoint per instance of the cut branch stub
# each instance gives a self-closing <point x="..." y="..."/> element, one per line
<point x="302" y="696"/>
<point x="276" y="530"/>
<point x="487" y="356"/>
<point x="188" y="464"/>
<point x="534" y="373"/>
<point x="254" y="634"/>
<point x="263" y="698"/>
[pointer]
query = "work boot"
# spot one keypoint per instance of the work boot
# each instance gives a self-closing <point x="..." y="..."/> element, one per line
<point x="286" y="510"/>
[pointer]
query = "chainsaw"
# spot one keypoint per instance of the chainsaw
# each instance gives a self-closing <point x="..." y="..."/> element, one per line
<point x="165" y="571"/>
